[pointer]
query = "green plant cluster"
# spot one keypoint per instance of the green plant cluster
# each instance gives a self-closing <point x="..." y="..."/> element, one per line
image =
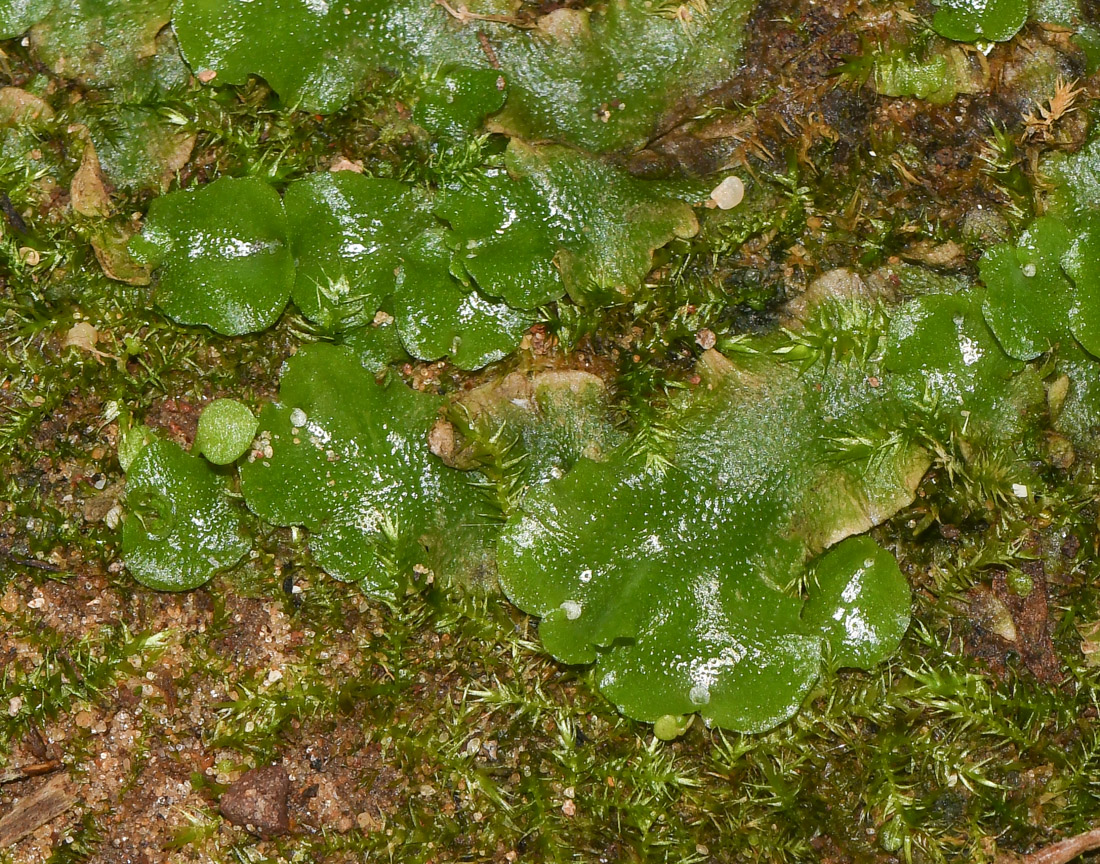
<point x="988" y="21"/>
<point x="700" y="560"/>
<point x="684" y="566"/>
<point x="622" y="65"/>
<point x="926" y="757"/>
<point x="462" y="269"/>
<point x="985" y="20"/>
<point x="689" y="565"/>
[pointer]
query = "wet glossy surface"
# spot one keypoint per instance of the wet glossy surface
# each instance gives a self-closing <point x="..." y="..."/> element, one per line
<point x="348" y="458"/>
<point x="971" y="20"/>
<point x="602" y="79"/>
<point x="222" y="255"/>
<point x="678" y="584"/>
<point x="103" y="43"/>
<point x="225" y="432"/>
<point x="558" y="209"/>
<point x="180" y="528"/>
<point x="860" y="600"/>
<point x="17" y="15"/>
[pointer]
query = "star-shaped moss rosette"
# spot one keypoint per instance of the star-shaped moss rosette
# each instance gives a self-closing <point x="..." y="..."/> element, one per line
<point x="603" y="78"/>
<point x="560" y="220"/>
<point x="680" y="585"/>
<point x="180" y="527"/>
<point x="976" y="20"/>
<point x="222" y="255"/>
<point x="348" y="459"/>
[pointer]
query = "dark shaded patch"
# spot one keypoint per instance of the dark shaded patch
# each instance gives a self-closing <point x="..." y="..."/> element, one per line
<point x="996" y="611"/>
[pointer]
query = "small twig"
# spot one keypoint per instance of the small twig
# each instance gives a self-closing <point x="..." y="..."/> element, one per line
<point x="1061" y="852"/>
<point x="30" y="562"/>
<point x="465" y="16"/>
<point x="36" y="769"/>
<point x="35" y="743"/>
<point x="41" y="806"/>
<point x="1066" y="850"/>
<point x="11" y="214"/>
<point x="487" y="47"/>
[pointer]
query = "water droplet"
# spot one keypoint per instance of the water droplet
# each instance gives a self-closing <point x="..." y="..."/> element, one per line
<point x="868" y="563"/>
<point x="572" y="609"/>
<point x="1029" y="270"/>
<point x="298" y="417"/>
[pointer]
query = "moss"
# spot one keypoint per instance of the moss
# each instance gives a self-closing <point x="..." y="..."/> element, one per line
<point x="930" y="755"/>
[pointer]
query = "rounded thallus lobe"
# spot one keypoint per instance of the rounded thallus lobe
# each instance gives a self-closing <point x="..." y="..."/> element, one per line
<point x="675" y="582"/>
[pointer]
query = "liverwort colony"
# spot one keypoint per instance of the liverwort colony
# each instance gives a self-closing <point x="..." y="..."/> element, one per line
<point x="703" y="524"/>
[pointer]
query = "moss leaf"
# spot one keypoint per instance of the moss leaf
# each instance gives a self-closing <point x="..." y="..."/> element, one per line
<point x="1082" y="263"/>
<point x="677" y="583"/>
<point x="1074" y="180"/>
<point x="947" y="365"/>
<point x="101" y="43"/>
<point x="348" y="234"/>
<point x="455" y="101"/>
<point x="357" y="240"/>
<point x="225" y="431"/>
<point x="16" y="16"/>
<point x="180" y="527"/>
<point x="138" y="149"/>
<point x="623" y="66"/>
<point x="222" y="255"/>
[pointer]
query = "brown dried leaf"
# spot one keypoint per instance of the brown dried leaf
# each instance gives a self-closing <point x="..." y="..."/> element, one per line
<point x="87" y="192"/>
<point x="18" y="107"/>
<point x="1062" y="103"/>
<point x="110" y="246"/>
